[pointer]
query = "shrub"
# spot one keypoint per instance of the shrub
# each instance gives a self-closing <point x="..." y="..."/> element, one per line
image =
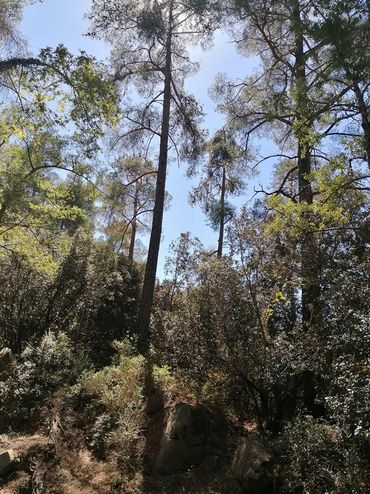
<point x="38" y="373"/>
<point x="320" y="458"/>
<point x="108" y="305"/>
<point x="348" y="398"/>
<point x="212" y="337"/>
<point x="93" y="295"/>
<point x="113" y="404"/>
<point x="24" y="302"/>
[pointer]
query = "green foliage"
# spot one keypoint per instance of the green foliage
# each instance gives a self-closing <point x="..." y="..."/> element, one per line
<point x="151" y="23"/>
<point x="139" y="34"/>
<point x="25" y="295"/>
<point x="107" y="309"/>
<point x="39" y="208"/>
<point x="222" y="175"/>
<point x="213" y="211"/>
<point x="320" y="458"/>
<point x="203" y="326"/>
<point x="128" y="201"/>
<point x="232" y="331"/>
<point x="338" y="200"/>
<point x="349" y="396"/>
<point x="93" y="294"/>
<point x="89" y="98"/>
<point x="242" y="336"/>
<point x="114" y="406"/>
<point x="40" y="370"/>
<point x="118" y="387"/>
<point x="10" y="16"/>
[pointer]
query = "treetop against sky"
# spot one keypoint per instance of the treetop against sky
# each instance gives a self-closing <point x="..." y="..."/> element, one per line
<point x="63" y="21"/>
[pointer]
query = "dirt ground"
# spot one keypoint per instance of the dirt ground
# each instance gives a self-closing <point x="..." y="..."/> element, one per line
<point x="57" y="461"/>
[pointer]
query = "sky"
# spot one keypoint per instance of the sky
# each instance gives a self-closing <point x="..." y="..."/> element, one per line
<point x="62" y="21"/>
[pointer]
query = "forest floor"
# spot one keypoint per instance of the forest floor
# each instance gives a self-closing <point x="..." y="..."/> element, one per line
<point x="74" y="470"/>
<point x="45" y="468"/>
<point x="56" y="461"/>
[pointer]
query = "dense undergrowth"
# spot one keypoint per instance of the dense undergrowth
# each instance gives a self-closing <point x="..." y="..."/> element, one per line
<point x="236" y="346"/>
<point x="305" y="394"/>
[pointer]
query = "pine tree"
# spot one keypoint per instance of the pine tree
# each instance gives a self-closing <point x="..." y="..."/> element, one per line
<point x="152" y="55"/>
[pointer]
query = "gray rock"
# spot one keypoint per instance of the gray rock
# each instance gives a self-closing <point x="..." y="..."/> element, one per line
<point x="6" y="462"/>
<point x="184" y="440"/>
<point x="6" y="358"/>
<point x="253" y="466"/>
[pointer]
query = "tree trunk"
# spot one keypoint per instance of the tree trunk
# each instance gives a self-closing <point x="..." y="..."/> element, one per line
<point x="310" y="270"/>
<point x="134" y="225"/>
<point x="310" y="266"/>
<point x="147" y="294"/>
<point x="222" y="214"/>
<point x="5" y="205"/>
<point x="365" y="121"/>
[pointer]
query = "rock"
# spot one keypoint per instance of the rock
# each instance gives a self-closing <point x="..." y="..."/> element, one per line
<point x="6" y="358"/>
<point x="6" y="462"/>
<point x="184" y="440"/>
<point x="253" y="466"/>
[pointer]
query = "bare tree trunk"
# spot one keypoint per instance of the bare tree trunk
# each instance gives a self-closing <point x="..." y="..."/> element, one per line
<point x="222" y="214"/>
<point x="134" y="225"/>
<point x="147" y="294"/>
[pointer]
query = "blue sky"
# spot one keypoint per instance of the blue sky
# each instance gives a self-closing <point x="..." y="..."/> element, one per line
<point x="62" y="21"/>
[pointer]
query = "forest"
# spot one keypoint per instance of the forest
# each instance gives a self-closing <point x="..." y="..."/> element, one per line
<point x="241" y="366"/>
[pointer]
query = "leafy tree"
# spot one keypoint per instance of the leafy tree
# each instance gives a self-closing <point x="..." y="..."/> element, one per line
<point x="294" y="99"/>
<point x="47" y="129"/>
<point x="343" y="28"/>
<point x="107" y="306"/>
<point x="10" y="16"/>
<point x="186" y="250"/>
<point x="92" y="296"/>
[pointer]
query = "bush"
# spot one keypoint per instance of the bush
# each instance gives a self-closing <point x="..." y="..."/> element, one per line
<point x="113" y="405"/>
<point x="107" y="310"/>
<point x="113" y="402"/>
<point x="211" y="336"/>
<point x="24" y="302"/>
<point x="320" y="458"/>
<point x="349" y="395"/>
<point x="93" y="296"/>
<point x="38" y="373"/>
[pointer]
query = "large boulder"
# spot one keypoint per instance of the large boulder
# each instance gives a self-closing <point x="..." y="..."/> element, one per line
<point x="253" y="466"/>
<point x="6" y="358"/>
<point x="184" y="439"/>
<point x="6" y="462"/>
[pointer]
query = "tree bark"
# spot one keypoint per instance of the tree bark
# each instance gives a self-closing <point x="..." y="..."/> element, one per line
<point x="310" y="269"/>
<point x="147" y="294"/>
<point x="134" y="225"/>
<point x="222" y="214"/>
<point x="365" y="121"/>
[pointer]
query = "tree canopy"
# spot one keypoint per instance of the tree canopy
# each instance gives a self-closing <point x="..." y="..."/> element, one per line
<point x="249" y="351"/>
